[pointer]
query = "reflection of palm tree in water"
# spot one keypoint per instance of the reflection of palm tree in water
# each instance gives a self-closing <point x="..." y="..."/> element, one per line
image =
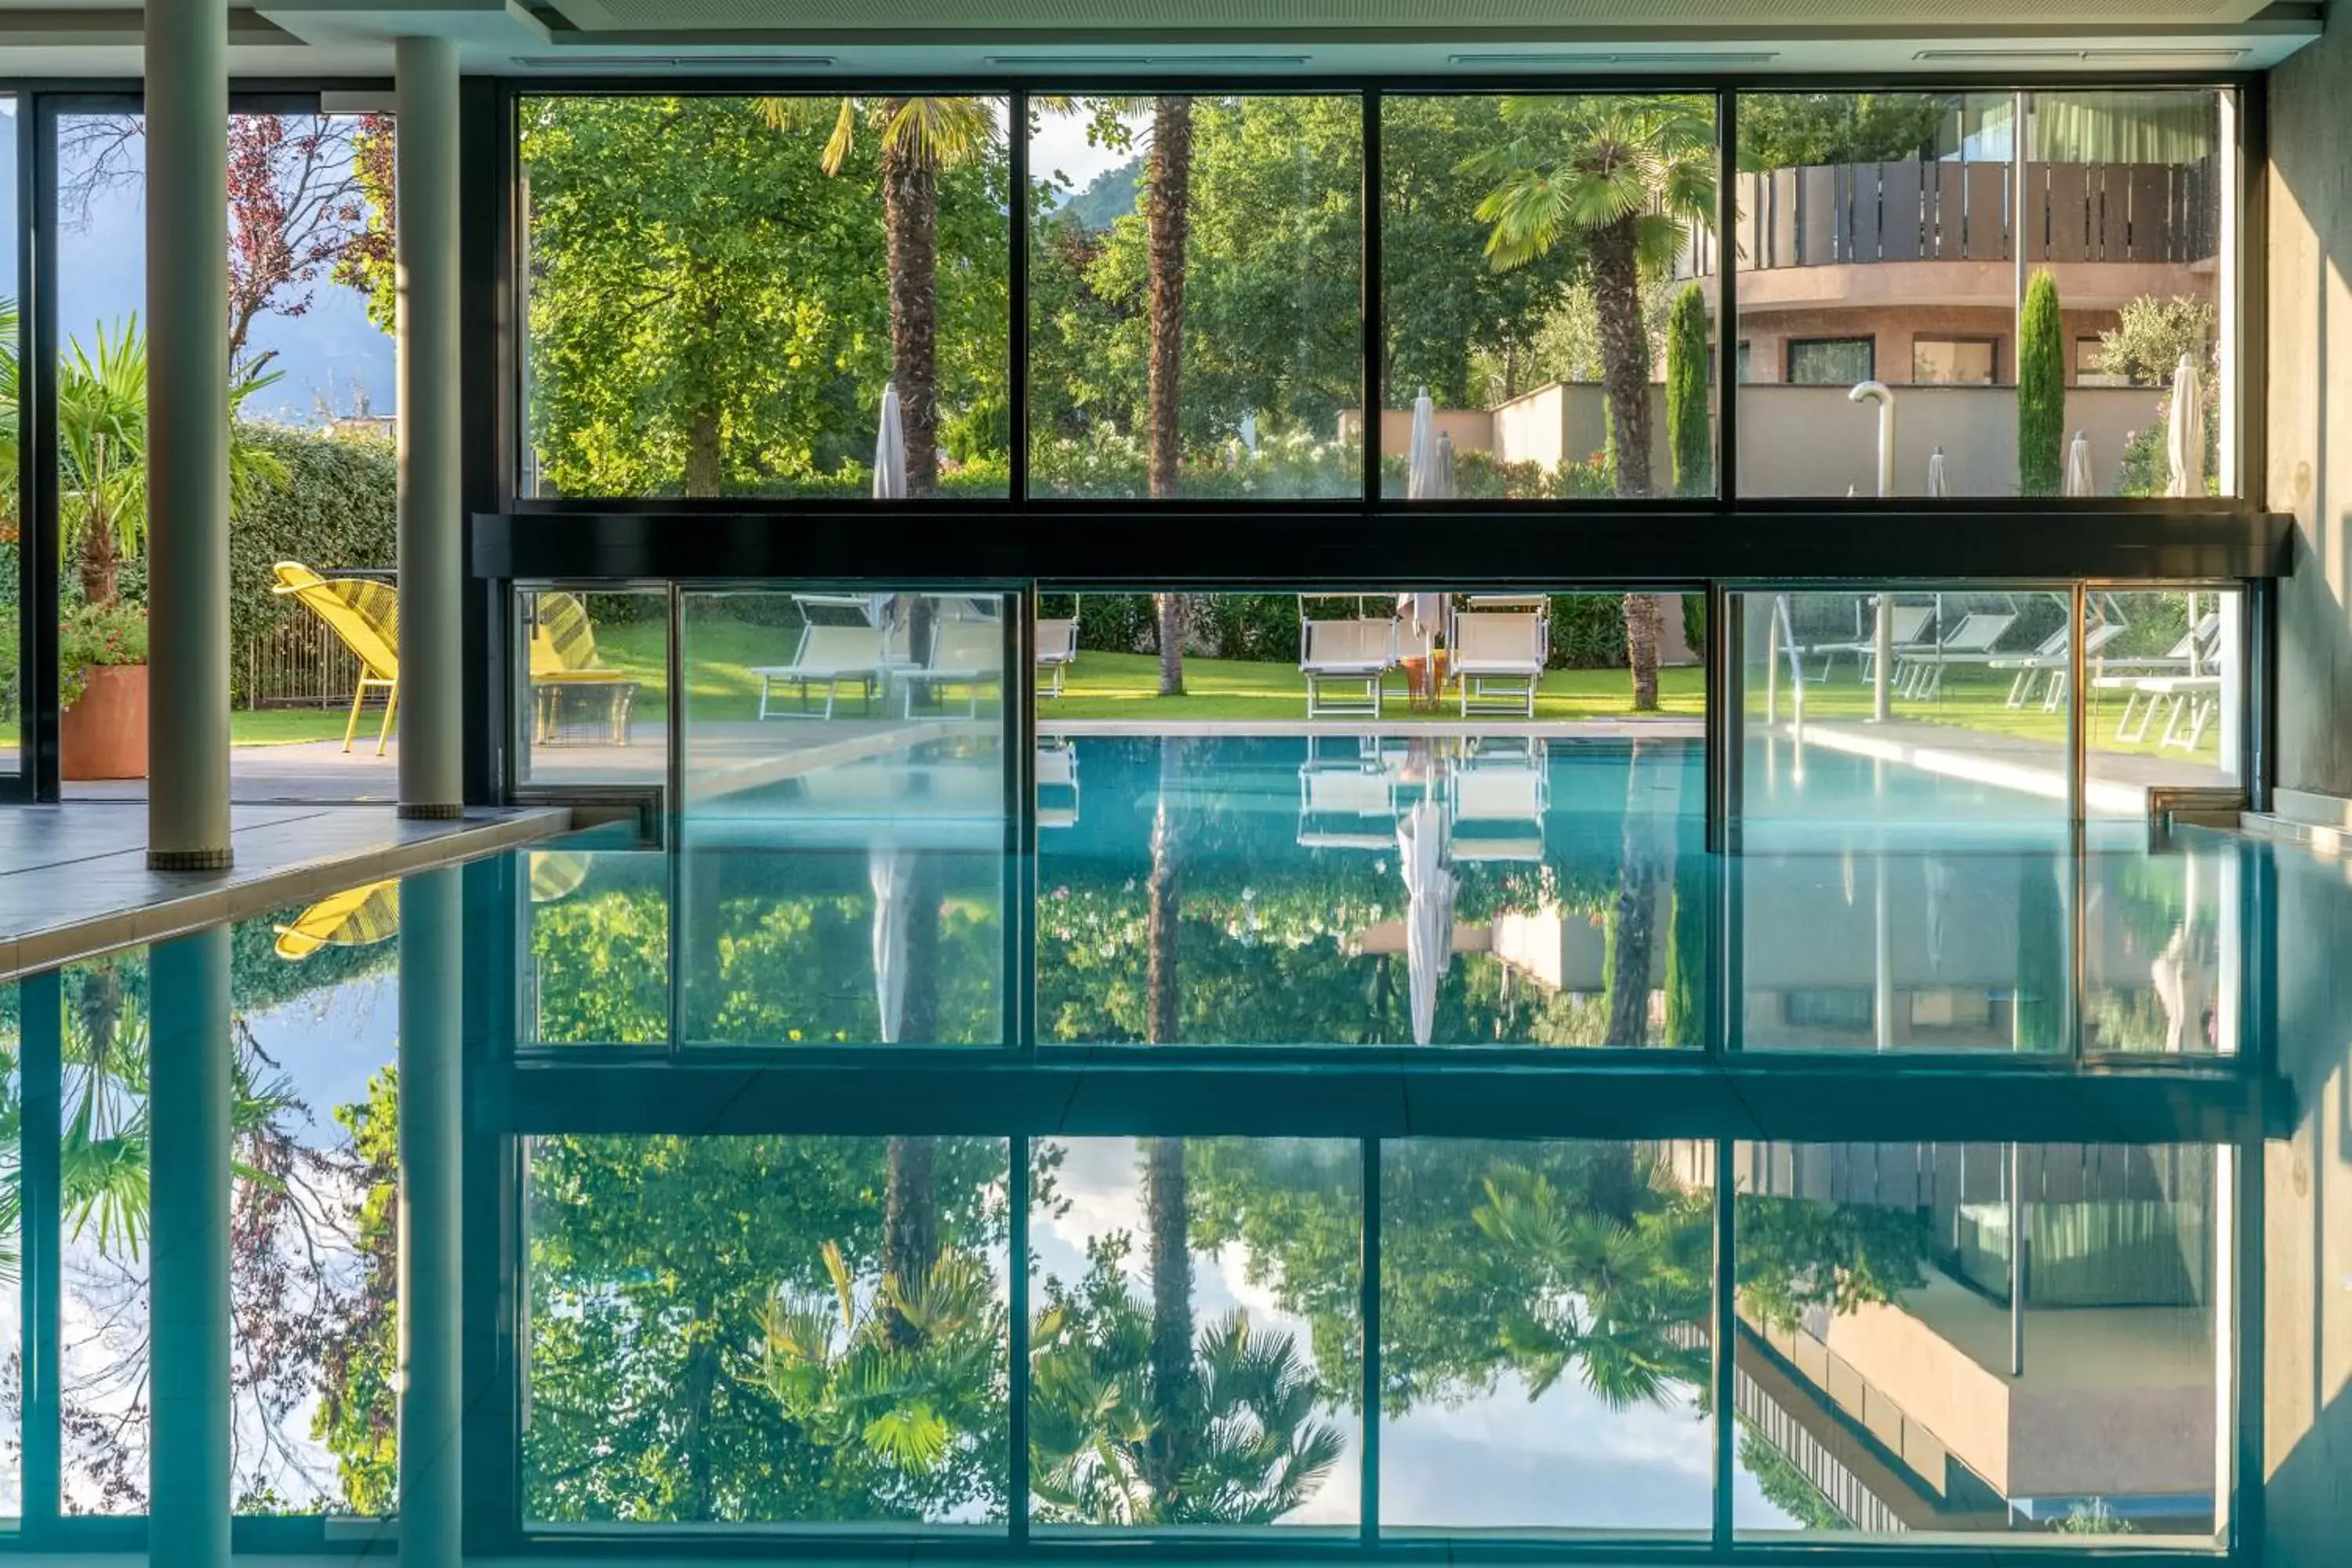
<point x="1642" y="870"/>
<point x="1611" y="1285"/>
<point x="1136" y="1419"/>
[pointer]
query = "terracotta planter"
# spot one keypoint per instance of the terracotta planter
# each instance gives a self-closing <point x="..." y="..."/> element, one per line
<point x="104" y="734"/>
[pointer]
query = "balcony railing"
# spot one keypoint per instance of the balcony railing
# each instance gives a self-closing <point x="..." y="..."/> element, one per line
<point x="1843" y="215"/>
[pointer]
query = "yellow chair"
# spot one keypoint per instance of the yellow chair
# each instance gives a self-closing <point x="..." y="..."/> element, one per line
<point x="366" y="615"/>
<point x="564" y="658"/>
<point x="357" y="917"/>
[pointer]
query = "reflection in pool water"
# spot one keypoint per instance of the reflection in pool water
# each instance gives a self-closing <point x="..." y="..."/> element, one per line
<point x="788" y="1329"/>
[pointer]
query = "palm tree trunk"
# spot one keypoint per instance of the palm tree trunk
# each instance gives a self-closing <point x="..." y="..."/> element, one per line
<point x="1169" y="1257"/>
<point x="911" y="1223"/>
<point x="99" y="565"/>
<point x="1625" y="383"/>
<point x="910" y="226"/>
<point x="1633" y="919"/>
<point x="1642" y="633"/>
<point x="1168" y="219"/>
<point x="1166" y="896"/>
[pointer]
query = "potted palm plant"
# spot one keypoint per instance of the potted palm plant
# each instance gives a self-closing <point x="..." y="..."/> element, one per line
<point x="103" y="518"/>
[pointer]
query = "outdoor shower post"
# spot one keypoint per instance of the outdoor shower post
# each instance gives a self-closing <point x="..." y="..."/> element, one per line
<point x="432" y="1142"/>
<point x="432" y="580"/>
<point x="191" y="1435"/>
<point x="1883" y="641"/>
<point x="187" y="148"/>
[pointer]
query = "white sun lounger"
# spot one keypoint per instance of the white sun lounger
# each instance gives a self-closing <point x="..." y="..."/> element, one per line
<point x="1497" y="801"/>
<point x="1351" y="655"/>
<point x="1497" y="658"/>
<point x="2053" y="659"/>
<point x="966" y="653"/>
<point x="831" y="656"/>
<point x="1057" y="784"/>
<point x="1920" y="673"/>
<point x="1057" y="649"/>
<point x="1906" y="632"/>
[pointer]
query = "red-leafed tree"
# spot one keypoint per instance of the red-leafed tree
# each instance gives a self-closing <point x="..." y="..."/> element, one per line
<point x="308" y="199"/>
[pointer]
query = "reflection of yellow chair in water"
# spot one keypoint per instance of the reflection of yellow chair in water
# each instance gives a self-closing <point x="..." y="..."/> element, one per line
<point x="564" y="658"/>
<point x="366" y="615"/>
<point x="363" y="916"/>
<point x="356" y="917"/>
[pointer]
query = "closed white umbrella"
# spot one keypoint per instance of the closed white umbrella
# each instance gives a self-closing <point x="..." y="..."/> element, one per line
<point x="892" y="873"/>
<point x="2184" y="433"/>
<point x="1430" y="886"/>
<point x="2078" y="466"/>
<point x="1939" y="482"/>
<point x="1249" y="433"/>
<point x="1420" y="452"/>
<point x="890" y="449"/>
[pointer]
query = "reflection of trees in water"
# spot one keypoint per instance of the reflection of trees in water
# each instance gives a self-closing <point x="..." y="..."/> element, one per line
<point x="310" y="1276"/>
<point x="1138" y="1417"/>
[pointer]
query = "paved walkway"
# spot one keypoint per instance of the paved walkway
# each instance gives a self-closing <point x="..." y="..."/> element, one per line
<point x="74" y="878"/>
<point x="2116" y="784"/>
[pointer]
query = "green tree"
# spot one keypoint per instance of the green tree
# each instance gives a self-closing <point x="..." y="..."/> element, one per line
<point x="920" y="137"/>
<point x="2040" y="389"/>
<point x="1626" y="177"/>
<point x="1690" y="429"/>
<point x="1790" y="130"/>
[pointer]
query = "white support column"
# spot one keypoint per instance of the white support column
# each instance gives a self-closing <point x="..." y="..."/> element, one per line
<point x="431" y="692"/>
<point x="187" y="434"/>
<point x="431" y="1119"/>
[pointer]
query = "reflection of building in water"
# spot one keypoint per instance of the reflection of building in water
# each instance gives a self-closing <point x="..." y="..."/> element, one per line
<point x="1909" y="1414"/>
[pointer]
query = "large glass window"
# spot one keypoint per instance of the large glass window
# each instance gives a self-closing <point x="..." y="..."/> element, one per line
<point x="2164" y="704"/>
<point x="1421" y="821"/>
<point x="2050" y="264"/>
<point x="766" y="1330"/>
<point x="12" y="515"/>
<point x="737" y="296"/>
<point x="593" y="681"/>
<point x="1957" y="1339"/>
<point x="1195" y="325"/>
<point x="1542" y="262"/>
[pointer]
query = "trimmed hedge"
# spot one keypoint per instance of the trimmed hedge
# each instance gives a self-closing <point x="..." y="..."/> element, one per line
<point x="337" y="511"/>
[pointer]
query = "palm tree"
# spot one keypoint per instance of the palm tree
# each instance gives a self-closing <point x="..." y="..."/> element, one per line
<point x="1119" y="1435"/>
<point x="102" y="455"/>
<point x="901" y="1368"/>
<point x="1606" y="1292"/>
<point x="920" y="137"/>
<point x="1626" y="177"/>
<point x="1168" y="222"/>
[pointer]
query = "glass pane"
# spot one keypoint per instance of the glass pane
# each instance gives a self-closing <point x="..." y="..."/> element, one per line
<point x="1544" y="1356"/>
<point x="13" y="1028"/>
<point x="103" y="1294"/>
<point x="1208" y="346"/>
<point x="2131" y="201"/>
<point x="314" y="1214"/>
<point x="724" y="293"/>
<point x="595" y="678"/>
<point x="1198" y="1333"/>
<point x="766" y="1330"/>
<point x="1541" y="336"/>
<point x="1882" y="949"/>
<point x="1892" y="1378"/>
<point x="1436" y="860"/>
<point x="1957" y="362"/>
<point x="1855" y="210"/>
<point x="596" y="963"/>
<point x="2164" y="950"/>
<point x="1958" y="730"/>
<point x="2166" y="698"/>
<point x="12" y="325"/>
<point x="822" y="713"/>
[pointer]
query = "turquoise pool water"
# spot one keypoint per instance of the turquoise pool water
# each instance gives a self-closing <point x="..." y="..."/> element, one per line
<point x="756" y="1126"/>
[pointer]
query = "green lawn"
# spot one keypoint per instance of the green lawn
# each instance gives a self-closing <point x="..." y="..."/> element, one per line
<point x="1126" y="687"/>
<point x="1979" y="702"/>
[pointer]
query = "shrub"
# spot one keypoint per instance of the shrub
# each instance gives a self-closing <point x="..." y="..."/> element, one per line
<point x="2040" y="390"/>
<point x="338" y="510"/>
<point x="91" y="637"/>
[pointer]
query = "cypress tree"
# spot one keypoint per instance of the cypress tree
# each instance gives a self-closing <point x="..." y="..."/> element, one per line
<point x="2041" y="390"/>
<point x="1690" y="431"/>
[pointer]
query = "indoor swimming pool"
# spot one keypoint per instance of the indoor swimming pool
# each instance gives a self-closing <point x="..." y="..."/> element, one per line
<point x="1407" y="1140"/>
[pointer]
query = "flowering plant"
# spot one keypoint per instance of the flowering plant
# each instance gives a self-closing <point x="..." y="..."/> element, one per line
<point x="97" y="635"/>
